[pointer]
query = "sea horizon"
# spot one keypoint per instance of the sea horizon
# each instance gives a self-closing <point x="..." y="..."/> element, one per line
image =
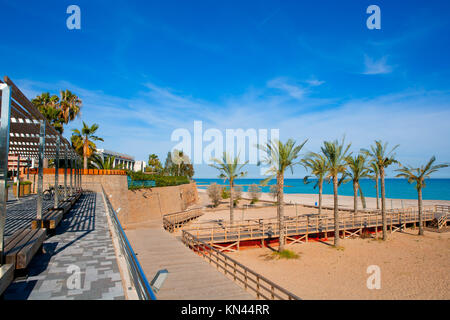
<point x="396" y="188"/>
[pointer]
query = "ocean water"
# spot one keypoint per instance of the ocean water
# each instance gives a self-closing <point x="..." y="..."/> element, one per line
<point x="436" y="189"/>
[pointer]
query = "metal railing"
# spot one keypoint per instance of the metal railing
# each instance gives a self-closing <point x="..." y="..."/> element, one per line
<point x="263" y="287"/>
<point x="137" y="275"/>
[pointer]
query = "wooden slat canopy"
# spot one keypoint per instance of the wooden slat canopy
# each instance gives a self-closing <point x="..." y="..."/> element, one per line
<point x="24" y="132"/>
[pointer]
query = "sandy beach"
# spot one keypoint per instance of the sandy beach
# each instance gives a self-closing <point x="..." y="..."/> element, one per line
<point x="344" y="201"/>
<point x="411" y="267"/>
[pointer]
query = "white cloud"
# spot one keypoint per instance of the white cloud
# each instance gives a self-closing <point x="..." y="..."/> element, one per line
<point x="283" y="84"/>
<point x="314" y="82"/>
<point x="373" y="66"/>
<point x="417" y="120"/>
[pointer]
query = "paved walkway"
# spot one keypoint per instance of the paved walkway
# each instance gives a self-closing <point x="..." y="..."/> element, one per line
<point x="82" y="243"/>
<point x="190" y="276"/>
<point x="20" y="213"/>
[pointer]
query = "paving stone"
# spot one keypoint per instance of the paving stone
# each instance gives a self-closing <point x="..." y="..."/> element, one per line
<point x="82" y="240"/>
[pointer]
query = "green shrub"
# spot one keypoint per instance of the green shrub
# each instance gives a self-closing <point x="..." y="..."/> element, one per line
<point x="285" y="254"/>
<point x="23" y="183"/>
<point x="225" y="193"/>
<point x="160" y="181"/>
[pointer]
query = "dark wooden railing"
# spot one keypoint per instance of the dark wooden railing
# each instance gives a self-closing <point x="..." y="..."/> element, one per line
<point x="249" y="279"/>
<point x="174" y="221"/>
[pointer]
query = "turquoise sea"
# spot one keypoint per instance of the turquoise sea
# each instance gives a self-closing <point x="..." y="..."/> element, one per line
<point x="436" y="189"/>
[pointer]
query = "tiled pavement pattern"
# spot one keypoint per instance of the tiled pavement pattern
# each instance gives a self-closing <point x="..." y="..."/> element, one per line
<point x="20" y="213"/>
<point x="82" y="240"/>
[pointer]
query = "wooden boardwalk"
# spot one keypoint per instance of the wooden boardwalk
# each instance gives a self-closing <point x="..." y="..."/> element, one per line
<point x="190" y="276"/>
<point x="298" y="229"/>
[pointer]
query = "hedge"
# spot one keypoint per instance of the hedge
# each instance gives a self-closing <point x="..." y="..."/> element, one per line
<point x="23" y="183"/>
<point x="160" y="181"/>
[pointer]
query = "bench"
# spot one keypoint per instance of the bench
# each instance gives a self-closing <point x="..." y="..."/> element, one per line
<point x="50" y="219"/>
<point x="6" y="276"/>
<point x="21" y="247"/>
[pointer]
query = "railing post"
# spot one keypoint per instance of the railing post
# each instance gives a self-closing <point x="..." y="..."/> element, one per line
<point x="58" y="141"/>
<point x="65" y="172"/>
<point x="41" y="169"/>
<point x="4" y="150"/>
<point x="71" y="174"/>
<point x="18" y="177"/>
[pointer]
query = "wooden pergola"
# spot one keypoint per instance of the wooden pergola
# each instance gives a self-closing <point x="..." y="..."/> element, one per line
<point x="26" y="134"/>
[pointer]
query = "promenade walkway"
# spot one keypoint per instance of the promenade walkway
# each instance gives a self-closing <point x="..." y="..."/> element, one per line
<point x="190" y="276"/>
<point x="20" y="213"/>
<point x="82" y="242"/>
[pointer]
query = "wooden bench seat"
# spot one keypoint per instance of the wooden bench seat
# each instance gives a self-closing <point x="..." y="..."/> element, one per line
<point x="21" y="247"/>
<point x="6" y="276"/>
<point x="50" y="220"/>
<point x="64" y="207"/>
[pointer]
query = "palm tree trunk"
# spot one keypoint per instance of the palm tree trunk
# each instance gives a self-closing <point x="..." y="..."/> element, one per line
<point x="320" y="196"/>
<point x="363" y="199"/>
<point x="231" y="204"/>
<point x="336" y="212"/>
<point x="378" y="192"/>
<point x="355" y="197"/>
<point x="282" y="238"/>
<point x="85" y="162"/>
<point x="419" y="191"/>
<point x="383" y="204"/>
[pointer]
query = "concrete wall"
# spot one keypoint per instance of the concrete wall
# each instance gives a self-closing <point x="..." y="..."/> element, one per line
<point x="152" y="204"/>
<point x="136" y="206"/>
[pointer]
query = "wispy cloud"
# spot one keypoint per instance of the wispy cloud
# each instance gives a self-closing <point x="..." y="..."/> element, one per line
<point x="283" y="84"/>
<point x="379" y="66"/>
<point x="143" y="124"/>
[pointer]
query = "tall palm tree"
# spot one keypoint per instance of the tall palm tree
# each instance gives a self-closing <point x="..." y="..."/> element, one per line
<point x="279" y="157"/>
<point x="380" y="155"/>
<point x="49" y="107"/>
<point x="337" y="157"/>
<point x="70" y="105"/>
<point x="418" y="176"/>
<point x="317" y="164"/>
<point x="230" y="169"/>
<point x="83" y="141"/>
<point x="375" y="175"/>
<point x="357" y="170"/>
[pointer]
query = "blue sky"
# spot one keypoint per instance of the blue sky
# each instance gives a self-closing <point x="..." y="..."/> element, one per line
<point x="309" y="68"/>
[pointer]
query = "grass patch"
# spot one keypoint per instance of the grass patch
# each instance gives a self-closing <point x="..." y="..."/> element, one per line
<point x="285" y="254"/>
<point x="339" y="248"/>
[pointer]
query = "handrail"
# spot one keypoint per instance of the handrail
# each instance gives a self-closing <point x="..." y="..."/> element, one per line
<point x="301" y="224"/>
<point x="137" y="275"/>
<point x="262" y="286"/>
<point x="175" y="220"/>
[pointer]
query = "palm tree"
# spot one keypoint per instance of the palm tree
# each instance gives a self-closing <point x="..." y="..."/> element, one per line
<point x="83" y="141"/>
<point x="337" y="158"/>
<point x="49" y="107"/>
<point x="58" y="110"/>
<point x="98" y="162"/>
<point x="383" y="159"/>
<point x="70" y="106"/>
<point x="373" y="168"/>
<point x="280" y="157"/>
<point x="418" y="176"/>
<point x="317" y="163"/>
<point x="357" y="169"/>
<point x="230" y="169"/>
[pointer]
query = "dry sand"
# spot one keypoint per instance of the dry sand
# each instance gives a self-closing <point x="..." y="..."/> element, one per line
<point x="412" y="267"/>
<point x="344" y="201"/>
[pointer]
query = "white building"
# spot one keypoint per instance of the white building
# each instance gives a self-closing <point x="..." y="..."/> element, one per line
<point x="139" y="166"/>
<point x="125" y="160"/>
